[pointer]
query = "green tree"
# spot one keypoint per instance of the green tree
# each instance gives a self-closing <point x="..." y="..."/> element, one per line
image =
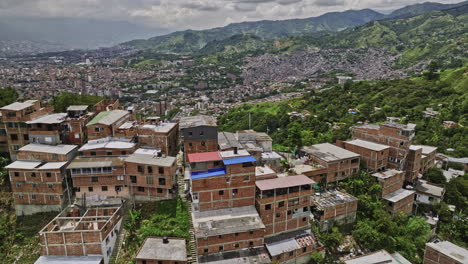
<point x="436" y="176"/>
<point x="8" y="95"/>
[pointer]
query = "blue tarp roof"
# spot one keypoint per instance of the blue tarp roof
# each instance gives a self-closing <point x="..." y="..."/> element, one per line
<point x="207" y="173"/>
<point x="239" y="160"/>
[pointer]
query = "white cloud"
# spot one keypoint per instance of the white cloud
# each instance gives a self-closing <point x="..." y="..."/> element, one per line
<point x="195" y="14"/>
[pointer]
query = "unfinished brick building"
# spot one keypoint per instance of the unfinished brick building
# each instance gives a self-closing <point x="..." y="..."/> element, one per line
<point x="99" y="176"/>
<point x="199" y="134"/>
<point x="77" y="231"/>
<point x="106" y="124"/>
<point x="428" y="157"/>
<point x="15" y="116"/>
<point x="38" y="179"/>
<point x="339" y="163"/>
<point x="77" y="118"/>
<point x="152" y="175"/>
<point x="390" y="180"/>
<point x="333" y="208"/>
<point x="283" y="203"/>
<point x="398" y="199"/>
<point x="374" y="155"/>
<point x="218" y="183"/>
<point x="397" y="136"/>
<point x="164" y="136"/>
<point x="106" y="105"/>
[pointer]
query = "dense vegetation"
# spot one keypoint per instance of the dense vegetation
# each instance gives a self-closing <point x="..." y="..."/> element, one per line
<point x="8" y="95"/>
<point x="377" y="229"/>
<point x="162" y="218"/>
<point x="65" y="99"/>
<point x="326" y="115"/>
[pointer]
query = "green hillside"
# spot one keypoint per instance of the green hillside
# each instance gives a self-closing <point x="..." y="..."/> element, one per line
<point x="375" y="101"/>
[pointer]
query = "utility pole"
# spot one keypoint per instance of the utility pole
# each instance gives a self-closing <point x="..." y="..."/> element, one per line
<point x="250" y="121"/>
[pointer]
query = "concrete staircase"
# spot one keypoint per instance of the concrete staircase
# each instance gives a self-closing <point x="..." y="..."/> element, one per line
<point x="193" y="259"/>
<point x="121" y="235"/>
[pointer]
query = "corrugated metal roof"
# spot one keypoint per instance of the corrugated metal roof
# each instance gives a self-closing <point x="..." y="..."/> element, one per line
<point x="77" y="108"/>
<point x="367" y="144"/>
<point x="239" y="160"/>
<point x="52" y="165"/>
<point x="95" y="162"/>
<point x="204" y="156"/>
<point x="283" y="182"/>
<point x="57" y="149"/>
<point x="25" y="165"/>
<point x="283" y="246"/>
<point x="398" y="195"/>
<point x="167" y="161"/>
<point x="207" y="173"/>
<point x="17" y="106"/>
<point x="108" y="117"/>
<point x="69" y="260"/>
<point x="329" y="152"/>
<point x="108" y="143"/>
<point x="49" y="119"/>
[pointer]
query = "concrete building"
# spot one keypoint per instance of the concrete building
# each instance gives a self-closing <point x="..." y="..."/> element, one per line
<point x="227" y="229"/>
<point x="152" y="175"/>
<point x="339" y="163"/>
<point x="48" y="129"/>
<point x="78" y="231"/>
<point x="374" y="155"/>
<point x="105" y="124"/>
<point x="283" y="203"/>
<point x="444" y="252"/>
<point x="38" y="178"/>
<point x="199" y="134"/>
<point x="379" y="257"/>
<point x="15" y="116"/>
<point x="162" y="250"/>
<point x="397" y="136"/>
<point x="333" y="208"/>
<point x="429" y="193"/>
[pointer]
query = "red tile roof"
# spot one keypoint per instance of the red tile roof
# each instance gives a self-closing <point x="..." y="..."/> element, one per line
<point x="283" y="182"/>
<point x="204" y="156"/>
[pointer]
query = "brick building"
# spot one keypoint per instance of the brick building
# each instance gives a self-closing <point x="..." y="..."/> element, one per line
<point x="106" y="105"/>
<point x="99" y="176"/>
<point x="378" y="257"/>
<point x="397" y="136"/>
<point x="412" y="165"/>
<point x="106" y="124"/>
<point x="108" y="147"/>
<point x="333" y="208"/>
<point x="390" y="180"/>
<point x="161" y="135"/>
<point x="77" y="118"/>
<point x="162" y="250"/>
<point x="444" y="252"/>
<point x="78" y="231"/>
<point x="339" y="163"/>
<point x="283" y="203"/>
<point x="15" y="116"/>
<point x="48" y="129"/>
<point x="38" y="178"/>
<point x="199" y="134"/>
<point x="400" y="200"/>
<point x="217" y="183"/>
<point x="227" y="229"/>
<point x="3" y="137"/>
<point x="293" y="247"/>
<point x="428" y="157"/>
<point x="374" y="155"/>
<point x="151" y="175"/>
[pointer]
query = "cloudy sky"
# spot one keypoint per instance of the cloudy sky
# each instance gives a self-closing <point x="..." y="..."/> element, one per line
<point x="194" y="14"/>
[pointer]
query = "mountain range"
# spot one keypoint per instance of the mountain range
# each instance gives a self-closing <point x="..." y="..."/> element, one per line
<point x="189" y="41"/>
